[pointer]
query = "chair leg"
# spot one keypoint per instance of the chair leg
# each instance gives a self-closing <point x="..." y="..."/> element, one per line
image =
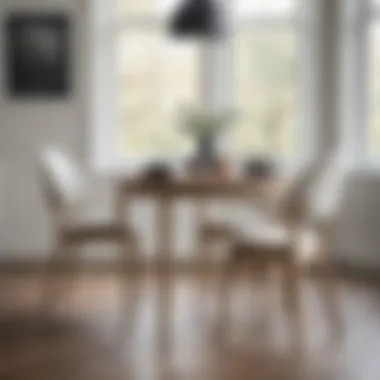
<point x="266" y="317"/>
<point x="292" y="298"/>
<point x="202" y="246"/>
<point x="127" y="245"/>
<point x="48" y="287"/>
<point x="227" y="275"/>
<point x="330" y="293"/>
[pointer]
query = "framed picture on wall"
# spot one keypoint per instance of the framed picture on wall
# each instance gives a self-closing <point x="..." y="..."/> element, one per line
<point x="37" y="61"/>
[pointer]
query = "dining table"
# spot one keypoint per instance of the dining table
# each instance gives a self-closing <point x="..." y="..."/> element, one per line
<point x="166" y="192"/>
<point x="200" y="190"/>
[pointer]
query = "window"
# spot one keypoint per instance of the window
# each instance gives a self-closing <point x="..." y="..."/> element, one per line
<point x="374" y="84"/>
<point x="374" y="117"/>
<point x="266" y="78"/>
<point x="362" y="81"/>
<point x="158" y="74"/>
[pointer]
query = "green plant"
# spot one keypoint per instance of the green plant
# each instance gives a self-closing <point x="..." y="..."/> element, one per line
<point x="203" y="124"/>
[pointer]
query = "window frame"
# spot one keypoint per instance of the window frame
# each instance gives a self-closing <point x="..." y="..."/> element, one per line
<point x="371" y="15"/>
<point x="279" y="24"/>
<point x="108" y="23"/>
<point x="358" y="18"/>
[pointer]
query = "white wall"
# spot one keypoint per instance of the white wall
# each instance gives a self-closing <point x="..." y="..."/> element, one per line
<point x="358" y="231"/>
<point x="25" y="128"/>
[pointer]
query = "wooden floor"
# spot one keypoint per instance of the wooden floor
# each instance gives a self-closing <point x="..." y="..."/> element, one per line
<point x="175" y="327"/>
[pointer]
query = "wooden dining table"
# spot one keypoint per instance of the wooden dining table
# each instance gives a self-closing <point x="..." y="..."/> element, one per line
<point x="200" y="190"/>
<point x="166" y="193"/>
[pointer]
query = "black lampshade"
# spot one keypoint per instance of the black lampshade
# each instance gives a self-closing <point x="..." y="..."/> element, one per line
<point x="198" y="18"/>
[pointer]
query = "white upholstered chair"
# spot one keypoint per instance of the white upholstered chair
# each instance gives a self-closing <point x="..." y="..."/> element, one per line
<point x="285" y="203"/>
<point x="72" y="218"/>
<point x="299" y="232"/>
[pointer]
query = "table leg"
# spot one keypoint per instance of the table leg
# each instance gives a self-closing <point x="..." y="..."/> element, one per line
<point x="120" y="206"/>
<point x="165" y="232"/>
<point x="164" y="277"/>
<point x="201" y="217"/>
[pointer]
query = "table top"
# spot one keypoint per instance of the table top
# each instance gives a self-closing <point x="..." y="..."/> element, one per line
<point x="200" y="187"/>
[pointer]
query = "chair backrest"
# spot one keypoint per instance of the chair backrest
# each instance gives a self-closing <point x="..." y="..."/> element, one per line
<point x="293" y="203"/>
<point x="61" y="181"/>
<point x="327" y="194"/>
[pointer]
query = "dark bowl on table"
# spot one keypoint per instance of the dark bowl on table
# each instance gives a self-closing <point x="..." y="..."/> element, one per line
<point x="157" y="172"/>
<point x="259" y="168"/>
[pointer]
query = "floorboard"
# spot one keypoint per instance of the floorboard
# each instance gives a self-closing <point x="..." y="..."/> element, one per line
<point x="180" y="326"/>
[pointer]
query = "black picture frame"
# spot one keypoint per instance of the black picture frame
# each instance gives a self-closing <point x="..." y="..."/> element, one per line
<point x="37" y="58"/>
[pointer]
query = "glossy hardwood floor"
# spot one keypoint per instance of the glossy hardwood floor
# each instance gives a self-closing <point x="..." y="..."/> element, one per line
<point x="180" y="327"/>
